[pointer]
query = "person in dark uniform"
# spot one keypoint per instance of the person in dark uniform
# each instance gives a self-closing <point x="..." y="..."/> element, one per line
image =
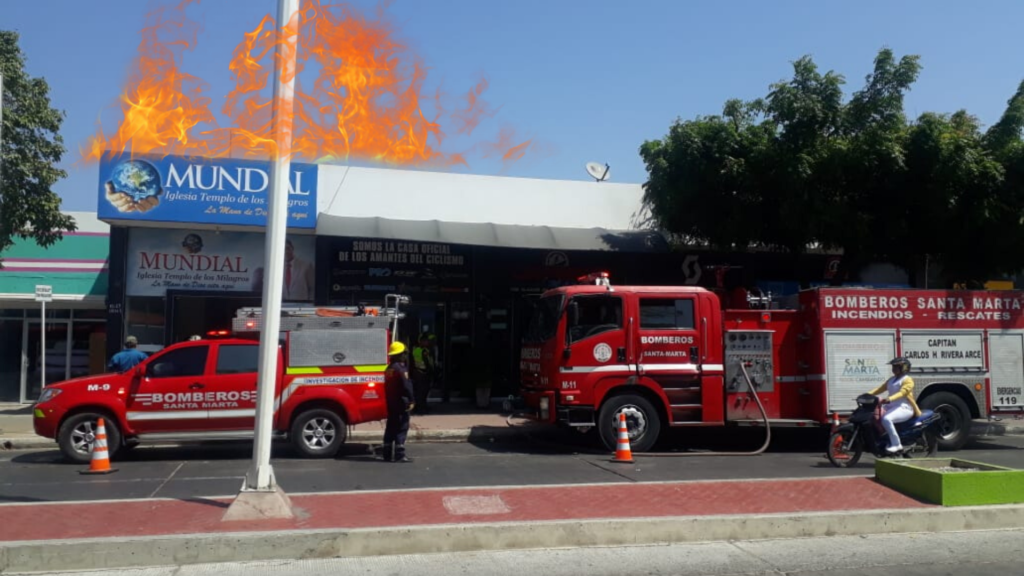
<point x="399" y="394"/>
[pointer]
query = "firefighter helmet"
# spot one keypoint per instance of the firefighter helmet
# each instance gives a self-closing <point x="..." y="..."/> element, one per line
<point x="396" y="349"/>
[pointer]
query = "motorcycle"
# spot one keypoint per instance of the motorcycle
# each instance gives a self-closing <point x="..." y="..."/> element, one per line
<point x="918" y="436"/>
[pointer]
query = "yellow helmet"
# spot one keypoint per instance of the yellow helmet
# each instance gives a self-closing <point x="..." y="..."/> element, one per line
<point x="396" y="349"/>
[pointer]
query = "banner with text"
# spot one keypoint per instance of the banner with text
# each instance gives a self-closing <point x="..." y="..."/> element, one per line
<point x="200" y="190"/>
<point x="161" y="260"/>
<point x="405" y="267"/>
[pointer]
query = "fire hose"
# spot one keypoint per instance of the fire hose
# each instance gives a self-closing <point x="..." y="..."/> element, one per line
<point x="760" y="406"/>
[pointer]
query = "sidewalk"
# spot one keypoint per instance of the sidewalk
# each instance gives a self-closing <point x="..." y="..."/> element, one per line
<point x="97" y="535"/>
<point x="457" y="421"/>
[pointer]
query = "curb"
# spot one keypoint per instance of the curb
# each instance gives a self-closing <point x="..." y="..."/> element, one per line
<point x="996" y="429"/>
<point x="478" y="434"/>
<point x="106" y="553"/>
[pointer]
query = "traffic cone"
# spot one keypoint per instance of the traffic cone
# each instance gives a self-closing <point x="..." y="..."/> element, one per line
<point x="623" y="453"/>
<point x="835" y="421"/>
<point x="100" y="463"/>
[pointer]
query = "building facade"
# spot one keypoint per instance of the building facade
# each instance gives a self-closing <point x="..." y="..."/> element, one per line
<point x="74" y="327"/>
<point x="187" y="248"/>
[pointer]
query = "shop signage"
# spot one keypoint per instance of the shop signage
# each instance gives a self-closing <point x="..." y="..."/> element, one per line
<point x="160" y="260"/>
<point x="407" y="267"/>
<point x="944" y="350"/>
<point x="200" y="190"/>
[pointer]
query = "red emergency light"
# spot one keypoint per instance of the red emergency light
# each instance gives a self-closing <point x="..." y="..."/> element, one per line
<point x="218" y="333"/>
<point x="597" y="278"/>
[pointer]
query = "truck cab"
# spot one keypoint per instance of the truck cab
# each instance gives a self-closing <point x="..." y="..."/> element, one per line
<point x="654" y="353"/>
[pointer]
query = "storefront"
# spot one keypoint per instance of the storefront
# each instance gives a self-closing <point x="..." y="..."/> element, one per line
<point x="187" y="250"/>
<point x="74" y="327"/>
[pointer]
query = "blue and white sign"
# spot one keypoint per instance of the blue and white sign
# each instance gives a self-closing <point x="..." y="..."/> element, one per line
<point x="200" y="191"/>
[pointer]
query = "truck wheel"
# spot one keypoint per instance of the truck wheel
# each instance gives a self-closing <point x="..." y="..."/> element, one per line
<point x="955" y="426"/>
<point x="642" y="421"/>
<point x="78" y="432"/>
<point x="318" y="433"/>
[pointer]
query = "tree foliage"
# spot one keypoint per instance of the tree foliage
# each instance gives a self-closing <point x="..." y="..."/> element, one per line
<point x="30" y="148"/>
<point x="805" y="166"/>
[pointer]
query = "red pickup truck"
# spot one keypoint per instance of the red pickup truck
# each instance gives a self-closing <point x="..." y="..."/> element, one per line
<point x="330" y="375"/>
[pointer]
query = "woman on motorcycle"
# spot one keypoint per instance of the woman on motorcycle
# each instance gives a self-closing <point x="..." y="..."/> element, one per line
<point x="900" y="405"/>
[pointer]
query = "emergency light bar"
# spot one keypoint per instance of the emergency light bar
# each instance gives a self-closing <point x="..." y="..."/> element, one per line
<point x="595" y="278"/>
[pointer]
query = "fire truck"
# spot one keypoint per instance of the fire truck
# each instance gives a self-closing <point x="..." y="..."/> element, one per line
<point x="672" y="357"/>
<point x="330" y="375"/>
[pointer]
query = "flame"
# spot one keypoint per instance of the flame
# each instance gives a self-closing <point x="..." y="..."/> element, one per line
<point x="366" y="102"/>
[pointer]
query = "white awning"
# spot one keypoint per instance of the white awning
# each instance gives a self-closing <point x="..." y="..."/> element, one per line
<point x="496" y="235"/>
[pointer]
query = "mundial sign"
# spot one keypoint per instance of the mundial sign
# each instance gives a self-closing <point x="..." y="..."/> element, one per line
<point x="200" y="190"/>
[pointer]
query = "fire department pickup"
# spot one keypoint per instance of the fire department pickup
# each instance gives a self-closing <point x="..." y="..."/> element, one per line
<point x="330" y="375"/>
<point x="671" y="356"/>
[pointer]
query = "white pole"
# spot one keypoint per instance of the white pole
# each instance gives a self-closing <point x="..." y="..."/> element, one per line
<point x="261" y="475"/>
<point x="42" y="352"/>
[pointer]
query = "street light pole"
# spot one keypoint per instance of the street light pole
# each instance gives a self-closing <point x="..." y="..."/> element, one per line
<point x="261" y="475"/>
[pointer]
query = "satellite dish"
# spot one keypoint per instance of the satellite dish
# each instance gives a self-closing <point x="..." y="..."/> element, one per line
<point x="598" y="171"/>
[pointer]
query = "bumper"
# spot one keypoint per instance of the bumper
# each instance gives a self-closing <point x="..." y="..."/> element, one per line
<point x="46" y="419"/>
<point x="543" y="402"/>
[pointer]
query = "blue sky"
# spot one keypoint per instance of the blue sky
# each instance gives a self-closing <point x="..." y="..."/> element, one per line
<point x="587" y="80"/>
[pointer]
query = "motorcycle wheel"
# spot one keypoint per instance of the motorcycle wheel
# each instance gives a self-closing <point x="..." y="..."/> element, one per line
<point x="925" y="447"/>
<point x="841" y="456"/>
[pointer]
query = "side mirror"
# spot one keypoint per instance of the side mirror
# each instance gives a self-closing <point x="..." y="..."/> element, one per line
<point x="567" y="353"/>
<point x="140" y="371"/>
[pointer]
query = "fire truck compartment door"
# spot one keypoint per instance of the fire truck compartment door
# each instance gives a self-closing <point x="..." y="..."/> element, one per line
<point x="855" y="363"/>
<point x="1006" y="352"/>
<point x="338" y="347"/>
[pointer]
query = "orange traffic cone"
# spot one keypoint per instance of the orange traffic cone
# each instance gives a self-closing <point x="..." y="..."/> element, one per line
<point x="100" y="463"/>
<point x="835" y="421"/>
<point x="623" y="453"/>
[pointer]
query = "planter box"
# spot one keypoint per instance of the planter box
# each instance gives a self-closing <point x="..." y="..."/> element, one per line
<point x="952" y="482"/>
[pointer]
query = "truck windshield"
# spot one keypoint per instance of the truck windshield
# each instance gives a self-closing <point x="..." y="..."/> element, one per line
<point x="544" y="321"/>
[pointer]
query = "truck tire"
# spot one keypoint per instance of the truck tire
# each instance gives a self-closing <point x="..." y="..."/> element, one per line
<point x="77" y="433"/>
<point x="955" y="427"/>
<point x="318" y="433"/>
<point x="642" y="421"/>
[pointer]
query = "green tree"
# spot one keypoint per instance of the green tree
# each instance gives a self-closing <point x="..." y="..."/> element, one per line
<point x="802" y="167"/>
<point x="30" y="148"/>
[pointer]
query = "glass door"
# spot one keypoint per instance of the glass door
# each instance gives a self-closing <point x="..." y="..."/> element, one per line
<point x="11" y="330"/>
<point x="58" y="355"/>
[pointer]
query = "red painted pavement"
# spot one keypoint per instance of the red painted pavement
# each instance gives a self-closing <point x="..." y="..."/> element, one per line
<point x="412" y="508"/>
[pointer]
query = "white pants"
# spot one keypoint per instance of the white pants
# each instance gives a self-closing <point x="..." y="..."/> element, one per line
<point x="894" y="414"/>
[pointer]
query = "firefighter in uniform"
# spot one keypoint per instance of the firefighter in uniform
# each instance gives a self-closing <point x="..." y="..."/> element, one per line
<point x="399" y="394"/>
<point x="422" y="371"/>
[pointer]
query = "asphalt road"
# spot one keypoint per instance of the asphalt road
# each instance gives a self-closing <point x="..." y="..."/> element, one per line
<point x="209" y="471"/>
<point x="994" y="553"/>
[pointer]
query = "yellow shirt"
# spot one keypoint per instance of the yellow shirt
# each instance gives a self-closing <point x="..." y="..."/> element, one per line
<point x="900" y="388"/>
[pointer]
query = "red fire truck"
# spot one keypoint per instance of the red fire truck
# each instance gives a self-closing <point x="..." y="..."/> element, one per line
<point x="671" y="356"/>
<point x="330" y="376"/>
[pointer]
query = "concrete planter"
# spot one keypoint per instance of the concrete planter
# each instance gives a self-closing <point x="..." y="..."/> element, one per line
<point x="952" y="482"/>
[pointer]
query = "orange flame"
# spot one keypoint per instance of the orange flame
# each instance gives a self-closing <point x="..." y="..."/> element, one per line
<point x="366" y="101"/>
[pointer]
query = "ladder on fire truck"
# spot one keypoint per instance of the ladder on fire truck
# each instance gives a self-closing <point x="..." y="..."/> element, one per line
<point x="304" y="317"/>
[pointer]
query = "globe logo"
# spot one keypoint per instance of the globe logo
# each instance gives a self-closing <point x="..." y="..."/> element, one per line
<point x="134" y="186"/>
